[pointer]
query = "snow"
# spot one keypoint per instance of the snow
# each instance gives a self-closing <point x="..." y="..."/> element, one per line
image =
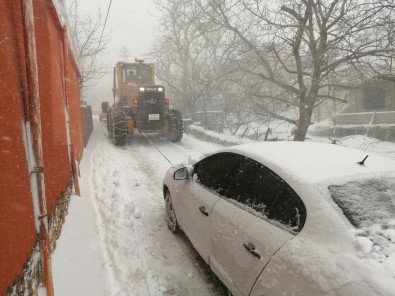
<point x="77" y="263"/>
<point x="282" y="132"/>
<point x="252" y="211"/>
<point x="28" y="143"/>
<point x="364" y="244"/>
<point x="115" y="240"/>
<point x="233" y="140"/>
<point x="304" y="162"/>
<point x="41" y="291"/>
<point x="390" y="234"/>
<point x="364" y="143"/>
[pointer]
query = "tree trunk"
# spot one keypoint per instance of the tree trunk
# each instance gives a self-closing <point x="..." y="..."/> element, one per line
<point x="301" y="131"/>
<point x="304" y="121"/>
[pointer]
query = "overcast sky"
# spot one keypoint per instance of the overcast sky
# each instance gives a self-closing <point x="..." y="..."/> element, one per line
<point x="131" y="23"/>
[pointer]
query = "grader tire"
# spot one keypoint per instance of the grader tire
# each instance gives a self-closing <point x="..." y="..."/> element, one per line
<point x="105" y="107"/>
<point x="109" y="124"/>
<point x="119" y="127"/>
<point x="176" y="130"/>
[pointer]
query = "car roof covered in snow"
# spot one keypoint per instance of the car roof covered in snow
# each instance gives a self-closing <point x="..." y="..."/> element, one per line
<point x="315" y="162"/>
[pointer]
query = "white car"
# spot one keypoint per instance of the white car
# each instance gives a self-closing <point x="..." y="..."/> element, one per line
<point x="290" y="218"/>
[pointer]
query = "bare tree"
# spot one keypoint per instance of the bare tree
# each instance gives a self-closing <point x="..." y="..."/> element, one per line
<point x="173" y="54"/>
<point x="125" y="53"/>
<point x="86" y="31"/>
<point x="302" y="48"/>
<point x="193" y="58"/>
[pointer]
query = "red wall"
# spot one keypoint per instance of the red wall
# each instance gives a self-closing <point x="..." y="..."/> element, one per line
<point x="73" y="89"/>
<point x="17" y="228"/>
<point x="17" y="231"/>
<point x="49" y="43"/>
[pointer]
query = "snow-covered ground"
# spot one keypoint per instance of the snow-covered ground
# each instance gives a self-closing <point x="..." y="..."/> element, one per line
<point x="383" y="148"/>
<point x="115" y="240"/>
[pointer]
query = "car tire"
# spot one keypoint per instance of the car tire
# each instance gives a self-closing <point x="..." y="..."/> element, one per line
<point x="176" y="130"/>
<point x="171" y="218"/>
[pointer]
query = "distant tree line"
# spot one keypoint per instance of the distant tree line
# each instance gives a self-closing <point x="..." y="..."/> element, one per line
<point x="264" y="57"/>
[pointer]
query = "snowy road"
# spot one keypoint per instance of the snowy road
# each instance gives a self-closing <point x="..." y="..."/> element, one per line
<point x="115" y="240"/>
<point x="127" y="226"/>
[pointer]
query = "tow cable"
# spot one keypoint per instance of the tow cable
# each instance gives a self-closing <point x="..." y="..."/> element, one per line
<point x="155" y="147"/>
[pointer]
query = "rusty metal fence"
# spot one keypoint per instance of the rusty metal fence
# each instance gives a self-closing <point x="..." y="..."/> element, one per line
<point x="87" y="122"/>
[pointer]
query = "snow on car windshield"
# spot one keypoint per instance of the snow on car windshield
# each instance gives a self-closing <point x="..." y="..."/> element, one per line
<point x="369" y="205"/>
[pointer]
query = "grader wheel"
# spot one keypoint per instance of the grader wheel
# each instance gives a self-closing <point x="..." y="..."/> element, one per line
<point x="176" y="126"/>
<point x="119" y="127"/>
<point x="109" y="124"/>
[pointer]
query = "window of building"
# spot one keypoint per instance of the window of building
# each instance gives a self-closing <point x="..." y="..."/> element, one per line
<point x="373" y="98"/>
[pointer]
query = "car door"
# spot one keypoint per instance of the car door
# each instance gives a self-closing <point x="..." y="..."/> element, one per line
<point x="244" y="238"/>
<point x="209" y="180"/>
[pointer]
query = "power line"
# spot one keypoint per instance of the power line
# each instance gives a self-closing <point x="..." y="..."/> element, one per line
<point x="105" y="22"/>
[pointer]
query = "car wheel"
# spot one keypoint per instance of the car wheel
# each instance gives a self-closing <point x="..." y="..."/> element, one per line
<point x="171" y="218"/>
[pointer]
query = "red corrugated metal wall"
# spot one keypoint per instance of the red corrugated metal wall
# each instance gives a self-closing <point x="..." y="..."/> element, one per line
<point x="73" y="89"/>
<point x="17" y="231"/>
<point x="57" y="93"/>
<point x="49" y="42"/>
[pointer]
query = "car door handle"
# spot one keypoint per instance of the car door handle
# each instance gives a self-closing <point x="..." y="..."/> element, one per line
<point x="251" y="248"/>
<point x="203" y="210"/>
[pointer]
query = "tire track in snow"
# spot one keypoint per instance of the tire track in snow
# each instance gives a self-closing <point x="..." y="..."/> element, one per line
<point x="125" y="272"/>
<point x="143" y="257"/>
<point x="178" y="282"/>
<point x="93" y="184"/>
<point x="145" y="191"/>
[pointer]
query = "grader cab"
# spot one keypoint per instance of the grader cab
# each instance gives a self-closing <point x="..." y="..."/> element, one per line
<point x="140" y="104"/>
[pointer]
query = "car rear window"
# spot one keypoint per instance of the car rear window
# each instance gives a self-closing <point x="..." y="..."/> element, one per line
<point x="369" y="205"/>
<point x="366" y="202"/>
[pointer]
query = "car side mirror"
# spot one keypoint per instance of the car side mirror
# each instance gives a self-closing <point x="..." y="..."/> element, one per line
<point x="181" y="174"/>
